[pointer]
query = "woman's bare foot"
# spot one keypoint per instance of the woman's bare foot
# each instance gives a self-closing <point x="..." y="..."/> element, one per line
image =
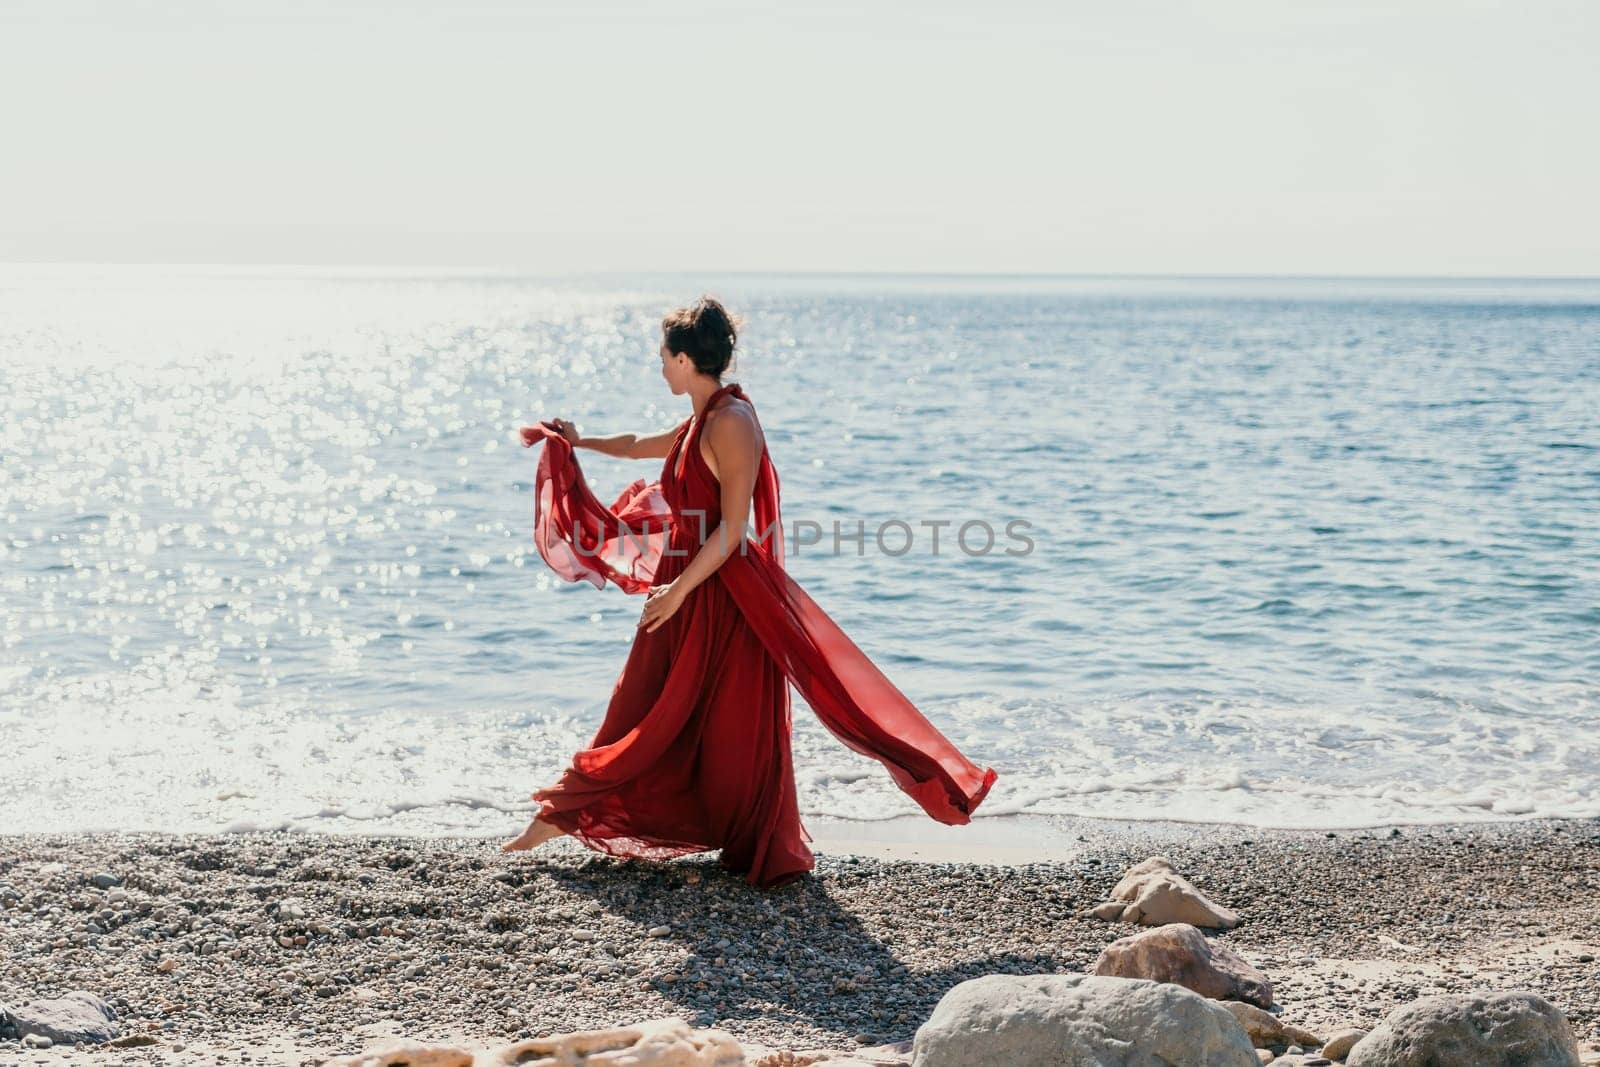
<point x="537" y="833"/>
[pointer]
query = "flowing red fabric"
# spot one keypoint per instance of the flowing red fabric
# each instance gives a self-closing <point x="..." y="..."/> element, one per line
<point x="693" y="753"/>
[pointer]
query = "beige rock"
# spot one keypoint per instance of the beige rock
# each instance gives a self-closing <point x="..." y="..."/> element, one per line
<point x="1179" y="953"/>
<point x="1153" y="893"/>
<point x="762" y="1057"/>
<point x="895" y="1055"/>
<point x="666" y="1042"/>
<point x="406" y="1054"/>
<point x="657" y="1043"/>
<point x="1339" y="1045"/>
<point x="1267" y="1029"/>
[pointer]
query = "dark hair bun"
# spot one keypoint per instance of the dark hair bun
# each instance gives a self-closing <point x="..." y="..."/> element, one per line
<point x="706" y="333"/>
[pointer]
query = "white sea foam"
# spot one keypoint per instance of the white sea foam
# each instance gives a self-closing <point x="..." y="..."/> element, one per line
<point x="129" y="751"/>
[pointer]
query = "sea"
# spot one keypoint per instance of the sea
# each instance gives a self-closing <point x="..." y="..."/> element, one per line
<point x="1288" y="552"/>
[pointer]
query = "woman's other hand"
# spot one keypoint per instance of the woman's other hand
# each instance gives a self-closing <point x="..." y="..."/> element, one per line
<point x="661" y="603"/>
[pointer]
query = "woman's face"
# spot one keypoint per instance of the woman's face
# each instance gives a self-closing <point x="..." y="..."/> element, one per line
<point x="676" y="368"/>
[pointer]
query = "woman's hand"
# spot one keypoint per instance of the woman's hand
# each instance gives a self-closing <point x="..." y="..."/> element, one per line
<point x="661" y="603"/>
<point x="530" y="434"/>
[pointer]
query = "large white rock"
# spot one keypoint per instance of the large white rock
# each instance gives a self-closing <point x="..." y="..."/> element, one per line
<point x="1066" y="1020"/>
<point x="1505" y="1029"/>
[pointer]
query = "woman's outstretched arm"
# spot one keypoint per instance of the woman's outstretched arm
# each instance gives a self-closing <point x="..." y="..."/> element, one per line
<point x="621" y="445"/>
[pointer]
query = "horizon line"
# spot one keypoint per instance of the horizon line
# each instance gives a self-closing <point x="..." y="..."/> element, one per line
<point x="528" y="272"/>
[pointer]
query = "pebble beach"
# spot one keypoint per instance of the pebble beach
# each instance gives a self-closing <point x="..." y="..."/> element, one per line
<point x="295" y="948"/>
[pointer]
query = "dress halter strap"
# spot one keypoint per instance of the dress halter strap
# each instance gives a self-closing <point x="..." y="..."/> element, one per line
<point x="690" y="437"/>
<point x="732" y="388"/>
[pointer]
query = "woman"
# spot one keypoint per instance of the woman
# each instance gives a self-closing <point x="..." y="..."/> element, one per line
<point x="694" y="753"/>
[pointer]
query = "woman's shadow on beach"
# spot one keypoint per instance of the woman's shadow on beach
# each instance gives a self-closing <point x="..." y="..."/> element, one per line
<point x="798" y="953"/>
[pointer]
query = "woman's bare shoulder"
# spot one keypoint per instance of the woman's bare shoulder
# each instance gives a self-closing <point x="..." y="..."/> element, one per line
<point x="737" y="420"/>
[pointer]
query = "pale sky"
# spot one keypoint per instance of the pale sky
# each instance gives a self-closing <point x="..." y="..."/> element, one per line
<point x="1131" y="136"/>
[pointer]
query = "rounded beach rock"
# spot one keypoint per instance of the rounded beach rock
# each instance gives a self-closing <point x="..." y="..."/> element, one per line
<point x="1266" y="1029"/>
<point x="1153" y="893"/>
<point x="1505" y="1029"/>
<point x="1046" y="1020"/>
<point x="67" y="1020"/>
<point x="1178" y="952"/>
<point x="1339" y="1043"/>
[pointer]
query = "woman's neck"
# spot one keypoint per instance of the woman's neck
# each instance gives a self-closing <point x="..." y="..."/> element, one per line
<point x="702" y="394"/>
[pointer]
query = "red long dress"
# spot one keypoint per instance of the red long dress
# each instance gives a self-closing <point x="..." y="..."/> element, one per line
<point x="693" y="753"/>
